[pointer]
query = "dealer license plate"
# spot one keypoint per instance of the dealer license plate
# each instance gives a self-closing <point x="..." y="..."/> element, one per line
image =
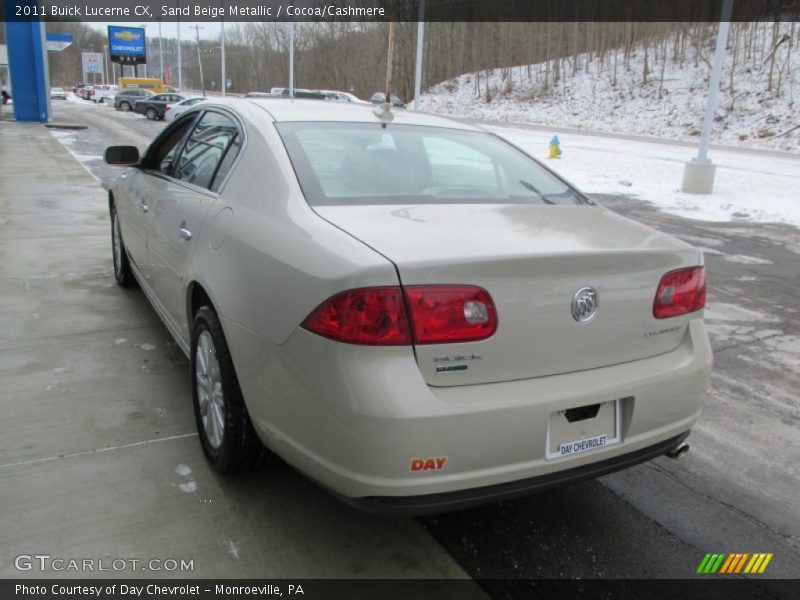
<point x="583" y="429"/>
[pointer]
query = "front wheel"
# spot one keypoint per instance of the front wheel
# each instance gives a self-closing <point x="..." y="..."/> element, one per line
<point x="226" y="433"/>
<point x="151" y="114"/>
<point x="122" y="267"/>
<point x="125" y="106"/>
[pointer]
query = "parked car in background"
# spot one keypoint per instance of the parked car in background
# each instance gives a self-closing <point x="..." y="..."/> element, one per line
<point x="338" y="96"/>
<point x="278" y="91"/>
<point x="125" y="98"/>
<point x="259" y="94"/>
<point x="154" y="84"/>
<point x="306" y="94"/>
<point x="103" y="93"/>
<point x="58" y="93"/>
<point x="380" y="98"/>
<point x="413" y="312"/>
<point x="181" y="107"/>
<point x="156" y="106"/>
<point x="76" y="89"/>
<point x="86" y="91"/>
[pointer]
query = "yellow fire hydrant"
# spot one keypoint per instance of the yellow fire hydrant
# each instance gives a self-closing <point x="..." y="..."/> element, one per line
<point x="555" y="147"/>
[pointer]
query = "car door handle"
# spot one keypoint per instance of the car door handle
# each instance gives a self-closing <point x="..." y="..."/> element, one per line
<point x="184" y="233"/>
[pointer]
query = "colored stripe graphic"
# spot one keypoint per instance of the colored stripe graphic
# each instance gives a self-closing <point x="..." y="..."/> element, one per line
<point x="703" y="563"/>
<point x="764" y="564"/>
<point x="741" y="562"/>
<point x="731" y="564"/>
<point x="711" y="563"/>
<point x="727" y="564"/>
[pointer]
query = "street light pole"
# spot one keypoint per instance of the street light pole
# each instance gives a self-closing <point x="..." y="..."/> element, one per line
<point x="197" y="29"/>
<point x="698" y="174"/>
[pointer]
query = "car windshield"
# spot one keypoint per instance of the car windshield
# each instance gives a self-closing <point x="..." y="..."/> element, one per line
<point x="366" y="163"/>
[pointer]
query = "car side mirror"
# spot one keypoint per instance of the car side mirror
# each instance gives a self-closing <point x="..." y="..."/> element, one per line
<point x="122" y="155"/>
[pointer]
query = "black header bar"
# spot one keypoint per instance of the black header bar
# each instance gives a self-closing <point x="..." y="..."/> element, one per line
<point x="144" y="11"/>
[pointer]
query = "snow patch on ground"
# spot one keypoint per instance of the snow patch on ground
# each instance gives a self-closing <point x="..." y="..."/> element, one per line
<point x="721" y="311"/>
<point x="189" y="487"/>
<point x="183" y="470"/>
<point x="749" y="187"/>
<point x="232" y="549"/>
<point x="748" y="260"/>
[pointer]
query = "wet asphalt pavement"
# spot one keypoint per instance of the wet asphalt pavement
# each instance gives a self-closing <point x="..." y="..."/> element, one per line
<point x="735" y="491"/>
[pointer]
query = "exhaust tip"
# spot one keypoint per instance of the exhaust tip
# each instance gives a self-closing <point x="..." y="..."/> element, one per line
<point x="678" y="451"/>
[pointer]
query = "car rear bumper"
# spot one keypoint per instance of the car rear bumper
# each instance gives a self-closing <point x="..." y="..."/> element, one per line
<point x="404" y="506"/>
<point x="356" y="418"/>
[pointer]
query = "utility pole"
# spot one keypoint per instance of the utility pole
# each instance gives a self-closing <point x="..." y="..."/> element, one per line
<point x="420" y="42"/>
<point x="106" y="74"/>
<point x="160" y="50"/>
<point x="180" y="62"/>
<point x="389" y="60"/>
<point x="197" y="29"/>
<point x="291" y="59"/>
<point x="698" y="174"/>
<point x="222" y="50"/>
<point x="144" y="26"/>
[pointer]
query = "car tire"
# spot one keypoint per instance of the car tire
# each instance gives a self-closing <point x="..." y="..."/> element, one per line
<point x="151" y="113"/>
<point x="226" y="433"/>
<point x="122" y="266"/>
<point x="125" y="106"/>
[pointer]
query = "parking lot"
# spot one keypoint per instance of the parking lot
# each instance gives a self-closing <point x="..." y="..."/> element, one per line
<point x="99" y="457"/>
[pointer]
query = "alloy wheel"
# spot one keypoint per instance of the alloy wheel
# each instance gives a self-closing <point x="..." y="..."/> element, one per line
<point x="209" y="390"/>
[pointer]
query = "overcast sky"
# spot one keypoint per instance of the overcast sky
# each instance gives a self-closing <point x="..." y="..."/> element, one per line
<point x="209" y="31"/>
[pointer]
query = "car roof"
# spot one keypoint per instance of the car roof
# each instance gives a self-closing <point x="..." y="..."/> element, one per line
<point x="284" y="110"/>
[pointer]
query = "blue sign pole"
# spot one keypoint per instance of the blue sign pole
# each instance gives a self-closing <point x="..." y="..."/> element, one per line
<point x="27" y="64"/>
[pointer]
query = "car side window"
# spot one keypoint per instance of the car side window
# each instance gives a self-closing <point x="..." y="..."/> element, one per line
<point x="205" y="149"/>
<point x="227" y="162"/>
<point x="160" y="157"/>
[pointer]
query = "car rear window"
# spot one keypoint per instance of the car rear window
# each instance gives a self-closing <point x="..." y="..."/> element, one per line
<point x="366" y="163"/>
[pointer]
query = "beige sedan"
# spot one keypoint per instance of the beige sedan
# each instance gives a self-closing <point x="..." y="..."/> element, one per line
<point x="406" y="308"/>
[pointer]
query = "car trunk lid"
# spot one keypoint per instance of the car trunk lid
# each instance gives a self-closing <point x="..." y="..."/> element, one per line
<point x="532" y="260"/>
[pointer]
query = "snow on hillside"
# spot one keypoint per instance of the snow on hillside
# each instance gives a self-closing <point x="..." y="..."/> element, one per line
<point x="750" y="116"/>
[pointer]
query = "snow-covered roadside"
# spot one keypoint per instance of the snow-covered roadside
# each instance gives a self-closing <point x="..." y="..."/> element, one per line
<point x="593" y="99"/>
<point x="751" y="187"/>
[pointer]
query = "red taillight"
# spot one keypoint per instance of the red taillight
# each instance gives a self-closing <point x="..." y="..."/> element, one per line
<point x="443" y="314"/>
<point x="371" y="316"/>
<point x="378" y="316"/>
<point x="680" y="292"/>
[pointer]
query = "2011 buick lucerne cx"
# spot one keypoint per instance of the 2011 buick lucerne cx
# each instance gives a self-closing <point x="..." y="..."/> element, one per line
<point x="408" y="309"/>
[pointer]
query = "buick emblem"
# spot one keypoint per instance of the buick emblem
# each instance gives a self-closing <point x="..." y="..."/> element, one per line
<point x="584" y="304"/>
